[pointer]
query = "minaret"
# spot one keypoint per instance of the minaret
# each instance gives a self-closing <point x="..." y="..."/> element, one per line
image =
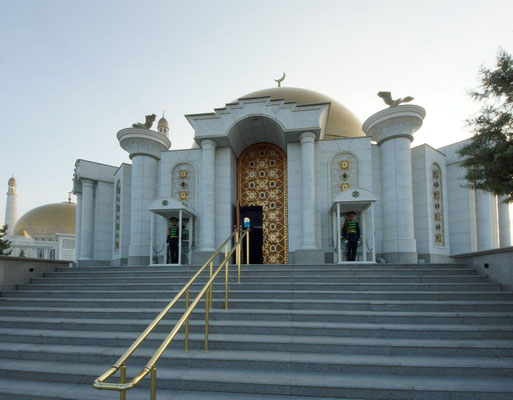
<point x="11" y="208"/>
<point x="163" y="126"/>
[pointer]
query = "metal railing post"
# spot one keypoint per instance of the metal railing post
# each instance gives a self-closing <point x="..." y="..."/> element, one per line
<point x="153" y="383"/>
<point x="247" y="247"/>
<point x="187" y="322"/>
<point x="226" y="286"/>
<point x="239" y="256"/>
<point x="207" y="302"/>
<point x="122" y="373"/>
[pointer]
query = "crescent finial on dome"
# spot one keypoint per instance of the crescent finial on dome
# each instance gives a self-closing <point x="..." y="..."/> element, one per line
<point x="280" y="80"/>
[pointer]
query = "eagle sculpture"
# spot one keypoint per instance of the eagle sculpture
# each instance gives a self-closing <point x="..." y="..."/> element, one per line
<point x="150" y="119"/>
<point x="387" y="98"/>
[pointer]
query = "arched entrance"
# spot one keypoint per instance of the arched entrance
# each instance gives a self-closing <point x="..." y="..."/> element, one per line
<point x="262" y="194"/>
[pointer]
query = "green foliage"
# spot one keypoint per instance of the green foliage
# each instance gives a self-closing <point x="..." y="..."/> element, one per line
<point x="489" y="157"/>
<point x="4" y="244"/>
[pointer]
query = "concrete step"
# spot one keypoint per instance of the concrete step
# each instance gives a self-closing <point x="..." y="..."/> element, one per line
<point x="72" y="272"/>
<point x="263" y="267"/>
<point x="286" y="302"/>
<point x="438" y="318"/>
<point x="235" y="293"/>
<point x="393" y="286"/>
<point x="24" y="389"/>
<point x="25" y="329"/>
<point x="413" y="365"/>
<point x="274" y="342"/>
<point x="270" y="279"/>
<point x="289" y="383"/>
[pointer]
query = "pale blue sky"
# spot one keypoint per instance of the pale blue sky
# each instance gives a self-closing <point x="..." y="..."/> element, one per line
<point x="73" y="73"/>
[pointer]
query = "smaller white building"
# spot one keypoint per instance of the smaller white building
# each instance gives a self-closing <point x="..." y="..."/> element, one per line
<point x="45" y="232"/>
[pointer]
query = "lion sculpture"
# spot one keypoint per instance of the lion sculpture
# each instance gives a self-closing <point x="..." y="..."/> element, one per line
<point x="150" y="119"/>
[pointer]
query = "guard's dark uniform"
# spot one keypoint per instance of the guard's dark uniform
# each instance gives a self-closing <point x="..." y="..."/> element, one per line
<point x="172" y="240"/>
<point x="351" y="233"/>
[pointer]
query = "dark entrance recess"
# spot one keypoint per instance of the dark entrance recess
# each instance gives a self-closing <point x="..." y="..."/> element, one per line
<point x="256" y="235"/>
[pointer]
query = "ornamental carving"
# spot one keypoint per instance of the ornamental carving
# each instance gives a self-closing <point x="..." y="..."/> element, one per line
<point x="344" y="173"/>
<point x="438" y="216"/>
<point x="184" y="184"/>
<point x="262" y="181"/>
<point x="117" y="217"/>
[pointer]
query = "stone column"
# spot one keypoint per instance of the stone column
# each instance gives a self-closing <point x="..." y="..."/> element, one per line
<point x="144" y="191"/>
<point x="208" y="195"/>
<point x="308" y="177"/>
<point x="504" y="223"/>
<point x="145" y="147"/>
<point x="392" y="129"/>
<point x="78" y="227"/>
<point x="87" y="220"/>
<point x="484" y="220"/>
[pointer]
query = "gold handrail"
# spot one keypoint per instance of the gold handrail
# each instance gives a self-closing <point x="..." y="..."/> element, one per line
<point x="206" y="291"/>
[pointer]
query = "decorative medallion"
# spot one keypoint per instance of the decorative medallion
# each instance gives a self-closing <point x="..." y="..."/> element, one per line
<point x="183" y="186"/>
<point x="344" y="186"/>
<point x="164" y="203"/>
<point x="262" y="181"/>
<point x="344" y="173"/>
<point x="117" y="217"/>
<point x="355" y="194"/>
<point x="344" y="164"/>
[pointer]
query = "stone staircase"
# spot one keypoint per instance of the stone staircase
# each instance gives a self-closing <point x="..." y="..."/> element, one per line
<point x="423" y="331"/>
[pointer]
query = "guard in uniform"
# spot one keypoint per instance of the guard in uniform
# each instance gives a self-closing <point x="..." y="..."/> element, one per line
<point x="351" y="235"/>
<point x="172" y="241"/>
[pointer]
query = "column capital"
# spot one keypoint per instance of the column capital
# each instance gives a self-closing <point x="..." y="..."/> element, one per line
<point x="143" y="142"/>
<point x="208" y="144"/>
<point x="87" y="182"/>
<point x="393" y="122"/>
<point x="307" y="137"/>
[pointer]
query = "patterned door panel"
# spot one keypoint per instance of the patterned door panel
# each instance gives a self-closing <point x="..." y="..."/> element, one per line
<point x="262" y="181"/>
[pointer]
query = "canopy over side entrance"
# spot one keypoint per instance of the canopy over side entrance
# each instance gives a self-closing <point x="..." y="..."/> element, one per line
<point x="361" y="202"/>
<point x="167" y="208"/>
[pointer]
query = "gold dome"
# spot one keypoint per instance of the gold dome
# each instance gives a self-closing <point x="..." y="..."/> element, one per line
<point x="341" y="121"/>
<point x="163" y="122"/>
<point x="12" y="181"/>
<point x="47" y="220"/>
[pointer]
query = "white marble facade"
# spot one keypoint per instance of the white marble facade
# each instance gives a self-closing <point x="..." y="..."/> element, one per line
<point x="422" y="210"/>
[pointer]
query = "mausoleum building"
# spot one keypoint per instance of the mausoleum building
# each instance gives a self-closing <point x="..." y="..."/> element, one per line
<point x="293" y="162"/>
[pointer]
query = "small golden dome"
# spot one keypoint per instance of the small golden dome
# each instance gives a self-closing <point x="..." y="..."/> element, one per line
<point x="341" y="121"/>
<point x="47" y="220"/>
<point x="163" y="123"/>
<point x="11" y="181"/>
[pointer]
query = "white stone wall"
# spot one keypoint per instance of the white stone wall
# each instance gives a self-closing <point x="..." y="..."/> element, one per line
<point x="294" y="196"/>
<point x="326" y="150"/>
<point x="223" y="187"/>
<point x="423" y="158"/>
<point x="461" y="204"/>
<point x="168" y="161"/>
<point x="376" y="189"/>
<point x="103" y="224"/>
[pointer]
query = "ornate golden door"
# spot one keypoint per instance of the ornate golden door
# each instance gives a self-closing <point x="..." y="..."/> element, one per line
<point x="262" y="181"/>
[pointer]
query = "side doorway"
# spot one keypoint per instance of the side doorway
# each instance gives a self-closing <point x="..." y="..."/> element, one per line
<point x="256" y="238"/>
